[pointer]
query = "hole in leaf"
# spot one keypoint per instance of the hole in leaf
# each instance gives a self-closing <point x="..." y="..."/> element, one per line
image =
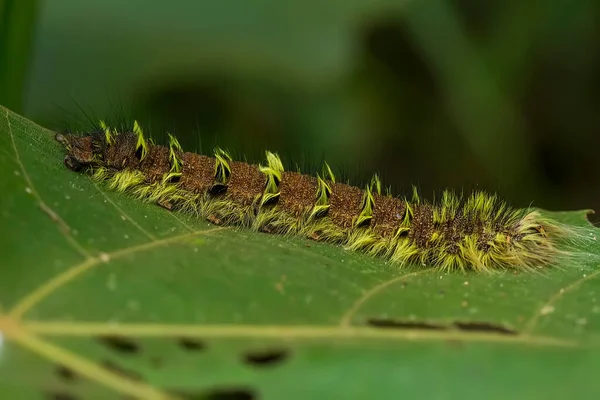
<point x="484" y="327"/>
<point x="216" y="394"/>
<point x="125" y="373"/>
<point x="120" y="344"/>
<point x="400" y="324"/>
<point x="188" y="395"/>
<point x="230" y="394"/>
<point x="266" y="357"/>
<point x="65" y="373"/>
<point x="191" y="344"/>
<point x="60" y="396"/>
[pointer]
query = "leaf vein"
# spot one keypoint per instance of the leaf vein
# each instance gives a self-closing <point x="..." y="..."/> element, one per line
<point x="50" y="286"/>
<point x="63" y="227"/>
<point x="535" y="318"/>
<point x="347" y="317"/>
<point x="322" y="332"/>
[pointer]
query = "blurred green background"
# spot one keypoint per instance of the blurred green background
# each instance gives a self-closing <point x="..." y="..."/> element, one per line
<point x="498" y="95"/>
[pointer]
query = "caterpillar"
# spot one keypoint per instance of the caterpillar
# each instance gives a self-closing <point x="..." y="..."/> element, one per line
<point x="478" y="232"/>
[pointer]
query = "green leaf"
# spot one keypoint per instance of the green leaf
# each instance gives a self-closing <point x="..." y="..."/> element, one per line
<point x="101" y="295"/>
<point x="17" y="27"/>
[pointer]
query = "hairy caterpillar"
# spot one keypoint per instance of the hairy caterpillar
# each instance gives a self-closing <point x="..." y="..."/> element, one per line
<point x="477" y="232"/>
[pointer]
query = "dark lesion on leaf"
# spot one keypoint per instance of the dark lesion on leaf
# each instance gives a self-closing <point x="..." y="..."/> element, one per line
<point x="391" y="323"/>
<point x="66" y="374"/>
<point x="468" y="326"/>
<point x="219" y="393"/>
<point x="60" y="395"/>
<point x="486" y="327"/>
<point x="266" y="357"/>
<point x="191" y="344"/>
<point x="120" y="344"/>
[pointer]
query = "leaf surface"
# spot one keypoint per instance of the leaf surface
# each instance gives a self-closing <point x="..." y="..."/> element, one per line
<point x="102" y="296"/>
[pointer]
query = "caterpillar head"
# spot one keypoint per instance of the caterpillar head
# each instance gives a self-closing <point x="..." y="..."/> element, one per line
<point x="80" y="150"/>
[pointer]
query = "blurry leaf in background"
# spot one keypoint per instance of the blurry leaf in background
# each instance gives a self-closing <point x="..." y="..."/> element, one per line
<point x="281" y="66"/>
<point x="18" y="20"/>
<point x="501" y="96"/>
<point x="471" y="94"/>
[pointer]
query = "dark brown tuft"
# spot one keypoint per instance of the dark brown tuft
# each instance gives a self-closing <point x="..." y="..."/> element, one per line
<point x="246" y="183"/>
<point x="421" y="227"/>
<point x="198" y="173"/>
<point x="121" y="155"/>
<point x="388" y="214"/>
<point x="297" y="193"/>
<point x="345" y="204"/>
<point x="156" y="163"/>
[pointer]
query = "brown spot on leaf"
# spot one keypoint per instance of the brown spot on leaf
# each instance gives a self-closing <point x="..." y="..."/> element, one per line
<point x="266" y="357"/>
<point x="120" y="344"/>
<point x="280" y="286"/>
